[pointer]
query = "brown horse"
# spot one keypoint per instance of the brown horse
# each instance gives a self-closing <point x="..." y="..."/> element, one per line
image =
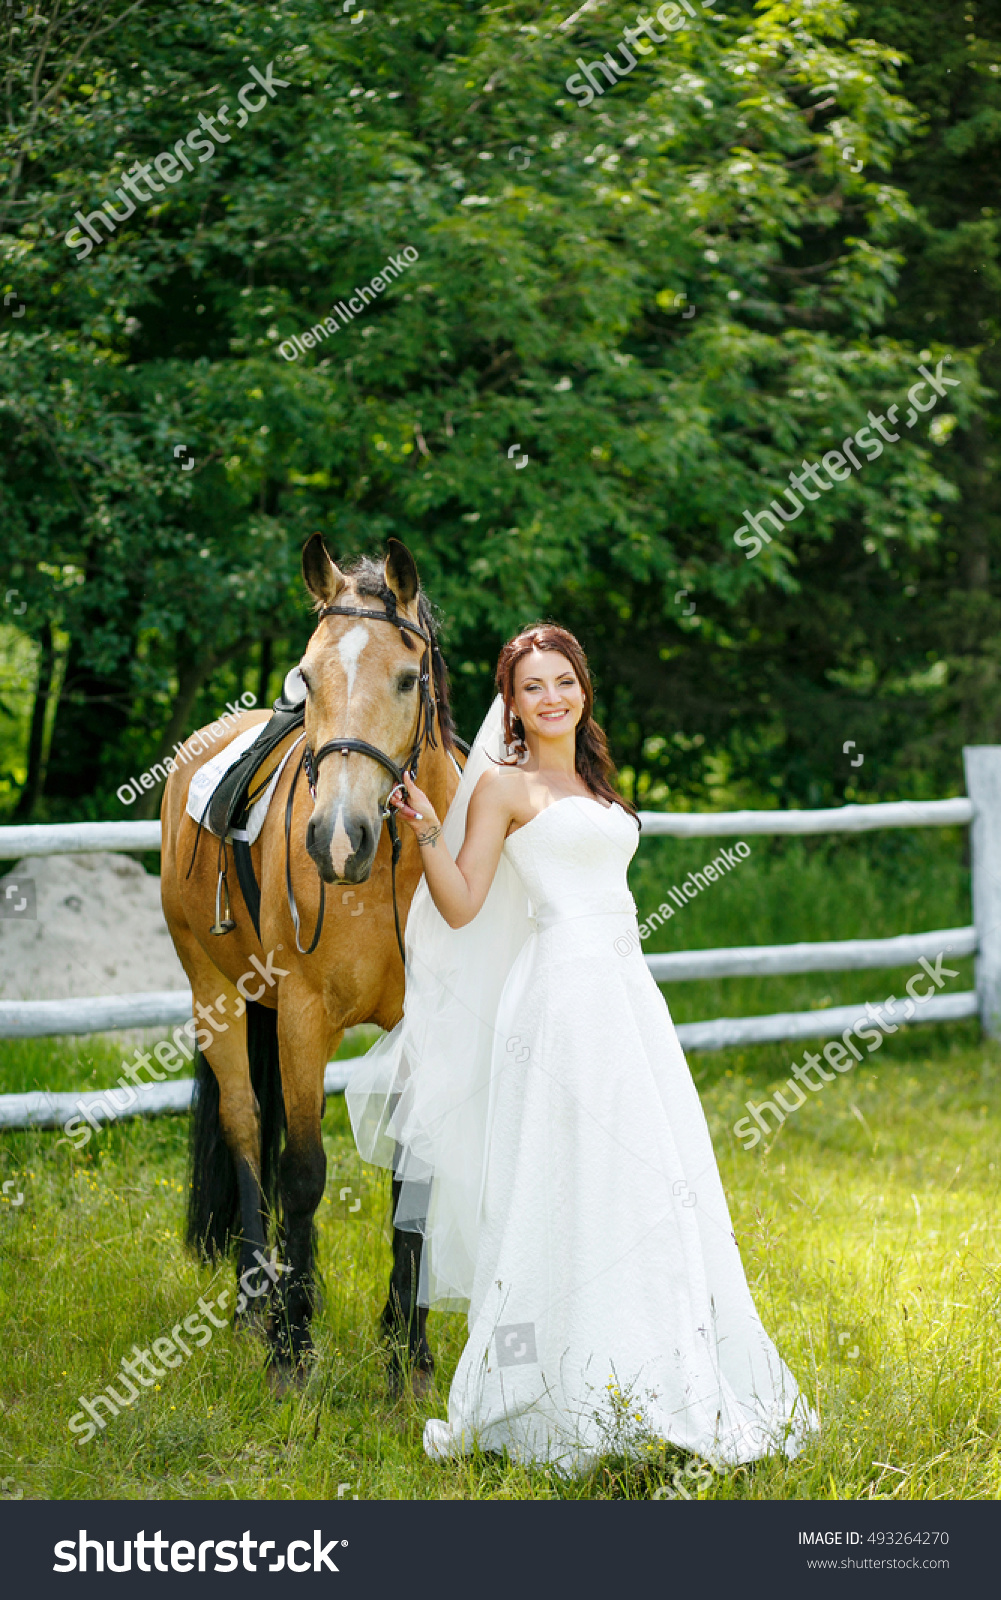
<point x="375" y="694"/>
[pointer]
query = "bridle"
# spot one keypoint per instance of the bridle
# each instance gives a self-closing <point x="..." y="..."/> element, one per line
<point x="424" y="736"/>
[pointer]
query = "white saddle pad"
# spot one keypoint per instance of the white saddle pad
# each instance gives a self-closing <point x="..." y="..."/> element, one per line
<point x="203" y="784"/>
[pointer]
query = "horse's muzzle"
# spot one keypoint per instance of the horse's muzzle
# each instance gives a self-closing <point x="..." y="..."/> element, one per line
<point x="343" y="851"/>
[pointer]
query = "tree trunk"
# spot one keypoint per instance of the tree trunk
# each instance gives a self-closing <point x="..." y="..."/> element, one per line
<point x="95" y="704"/>
<point x="33" y="782"/>
<point x="975" y="613"/>
<point x="264" y="675"/>
<point x="977" y="508"/>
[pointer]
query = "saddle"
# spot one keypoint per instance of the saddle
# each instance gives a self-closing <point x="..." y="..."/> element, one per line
<point x="232" y="798"/>
<point x="228" y="809"/>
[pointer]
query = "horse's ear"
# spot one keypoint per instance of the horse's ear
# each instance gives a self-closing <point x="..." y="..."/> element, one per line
<point x="401" y="572"/>
<point x="322" y="576"/>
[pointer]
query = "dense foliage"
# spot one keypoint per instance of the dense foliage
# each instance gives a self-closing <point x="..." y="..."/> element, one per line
<point x="667" y="300"/>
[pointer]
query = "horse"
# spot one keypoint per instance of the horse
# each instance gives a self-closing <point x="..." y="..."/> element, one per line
<point x="376" y="700"/>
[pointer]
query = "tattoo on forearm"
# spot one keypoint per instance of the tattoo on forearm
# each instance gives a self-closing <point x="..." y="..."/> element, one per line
<point x="430" y="837"/>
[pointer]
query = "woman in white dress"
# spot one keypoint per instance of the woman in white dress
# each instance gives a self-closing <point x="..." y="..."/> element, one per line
<point x="537" y="1105"/>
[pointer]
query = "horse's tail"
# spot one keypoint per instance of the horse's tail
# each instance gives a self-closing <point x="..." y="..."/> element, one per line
<point x="213" y="1196"/>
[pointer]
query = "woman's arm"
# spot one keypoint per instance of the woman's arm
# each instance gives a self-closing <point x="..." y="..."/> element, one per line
<point x="459" y="887"/>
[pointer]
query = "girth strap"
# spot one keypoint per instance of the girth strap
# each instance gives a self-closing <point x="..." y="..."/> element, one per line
<point x="247" y="879"/>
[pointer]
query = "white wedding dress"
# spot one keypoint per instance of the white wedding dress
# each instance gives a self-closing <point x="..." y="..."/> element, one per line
<point x="575" y="1204"/>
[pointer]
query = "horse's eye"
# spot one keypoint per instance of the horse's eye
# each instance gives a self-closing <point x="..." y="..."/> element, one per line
<point x="406" y="682"/>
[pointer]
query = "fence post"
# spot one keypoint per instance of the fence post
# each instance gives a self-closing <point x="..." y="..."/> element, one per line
<point x="983" y="785"/>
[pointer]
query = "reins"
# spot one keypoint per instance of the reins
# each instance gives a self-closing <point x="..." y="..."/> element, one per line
<point x="424" y="735"/>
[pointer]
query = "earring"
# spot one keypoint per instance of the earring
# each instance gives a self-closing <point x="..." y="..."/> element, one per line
<point x="517" y="746"/>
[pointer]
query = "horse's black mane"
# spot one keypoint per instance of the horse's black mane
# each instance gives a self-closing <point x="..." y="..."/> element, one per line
<point x="368" y="577"/>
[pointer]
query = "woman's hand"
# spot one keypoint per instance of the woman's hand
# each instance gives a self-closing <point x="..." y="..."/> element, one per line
<point x="459" y="887"/>
<point x="416" y="809"/>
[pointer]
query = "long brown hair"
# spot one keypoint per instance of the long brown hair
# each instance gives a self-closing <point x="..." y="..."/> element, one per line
<point x="591" y="758"/>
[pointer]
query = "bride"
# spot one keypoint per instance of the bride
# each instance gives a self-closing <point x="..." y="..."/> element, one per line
<point x="536" y="1104"/>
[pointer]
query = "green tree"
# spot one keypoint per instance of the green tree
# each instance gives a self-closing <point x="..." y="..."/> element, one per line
<point x="558" y="250"/>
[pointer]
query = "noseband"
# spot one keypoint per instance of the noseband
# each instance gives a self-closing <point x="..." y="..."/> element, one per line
<point x="309" y="763"/>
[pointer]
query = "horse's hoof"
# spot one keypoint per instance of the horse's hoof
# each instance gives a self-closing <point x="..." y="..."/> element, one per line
<point x="284" y="1380"/>
<point x="422" y="1383"/>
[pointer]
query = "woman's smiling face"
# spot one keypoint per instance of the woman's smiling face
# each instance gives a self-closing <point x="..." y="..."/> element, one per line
<point x="547" y="696"/>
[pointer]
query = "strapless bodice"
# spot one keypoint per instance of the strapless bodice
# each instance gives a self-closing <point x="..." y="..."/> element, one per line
<point x="572" y="859"/>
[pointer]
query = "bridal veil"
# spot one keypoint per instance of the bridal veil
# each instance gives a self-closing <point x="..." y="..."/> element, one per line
<point x="420" y="1100"/>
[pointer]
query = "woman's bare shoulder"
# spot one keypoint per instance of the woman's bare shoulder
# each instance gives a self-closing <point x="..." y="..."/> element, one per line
<point x="499" y="788"/>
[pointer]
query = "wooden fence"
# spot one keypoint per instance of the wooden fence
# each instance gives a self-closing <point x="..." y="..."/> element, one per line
<point x="981" y="808"/>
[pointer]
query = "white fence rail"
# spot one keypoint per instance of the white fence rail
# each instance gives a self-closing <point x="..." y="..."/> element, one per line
<point x="41" y="1019"/>
<point x="45" y="1109"/>
<point x="982" y="808"/>
<point x="835" y="819"/>
<point x="727" y="1033"/>
<point x="73" y="838"/>
<point x="67" y="838"/>
<point x="840" y="955"/>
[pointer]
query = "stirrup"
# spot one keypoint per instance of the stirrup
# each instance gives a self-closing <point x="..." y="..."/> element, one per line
<point x="222" y="924"/>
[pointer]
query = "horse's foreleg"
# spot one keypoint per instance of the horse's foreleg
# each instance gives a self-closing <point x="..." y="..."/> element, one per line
<point x="240" y="1125"/>
<point x="304" y="1042"/>
<point x="404" y="1322"/>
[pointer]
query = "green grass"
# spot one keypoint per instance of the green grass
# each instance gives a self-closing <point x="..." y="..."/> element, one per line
<point x="869" y="1228"/>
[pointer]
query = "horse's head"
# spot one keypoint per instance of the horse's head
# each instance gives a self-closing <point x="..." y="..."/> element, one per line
<point x="362" y="678"/>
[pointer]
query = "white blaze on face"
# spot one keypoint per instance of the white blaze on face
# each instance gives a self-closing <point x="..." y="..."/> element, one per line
<point x="349" y="649"/>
